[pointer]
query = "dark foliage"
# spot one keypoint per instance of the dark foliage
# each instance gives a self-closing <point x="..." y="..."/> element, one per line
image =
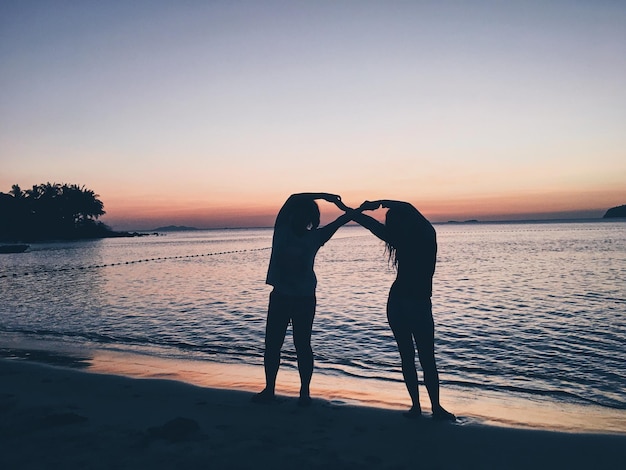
<point x="51" y="211"/>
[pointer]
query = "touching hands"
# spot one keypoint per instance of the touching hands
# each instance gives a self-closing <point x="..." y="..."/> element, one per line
<point x="370" y="205"/>
<point x="336" y="199"/>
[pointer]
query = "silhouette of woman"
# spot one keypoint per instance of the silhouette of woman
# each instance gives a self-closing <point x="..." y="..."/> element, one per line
<point x="295" y="243"/>
<point x="411" y="243"/>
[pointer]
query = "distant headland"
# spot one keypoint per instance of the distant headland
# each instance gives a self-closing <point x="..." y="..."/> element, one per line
<point x="471" y="221"/>
<point x="615" y="212"/>
<point x="174" y="228"/>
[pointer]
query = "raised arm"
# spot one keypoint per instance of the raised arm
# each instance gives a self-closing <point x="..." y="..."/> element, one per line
<point x="281" y="218"/>
<point x="368" y="222"/>
<point x="389" y="204"/>
<point x="325" y="196"/>
<point x="329" y="230"/>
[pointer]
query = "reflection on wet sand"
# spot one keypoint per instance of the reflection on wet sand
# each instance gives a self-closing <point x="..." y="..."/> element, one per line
<point x="487" y="408"/>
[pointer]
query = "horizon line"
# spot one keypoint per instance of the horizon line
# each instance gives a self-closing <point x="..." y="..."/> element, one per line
<point x="182" y="228"/>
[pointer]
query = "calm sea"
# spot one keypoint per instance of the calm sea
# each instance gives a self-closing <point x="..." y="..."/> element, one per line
<point x="537" y="309"/>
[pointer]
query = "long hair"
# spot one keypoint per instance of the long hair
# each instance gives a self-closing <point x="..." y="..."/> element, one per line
<point x="403" y="227"/>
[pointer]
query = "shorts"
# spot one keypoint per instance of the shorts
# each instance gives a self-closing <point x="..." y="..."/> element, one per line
<point x="297" y="308"/>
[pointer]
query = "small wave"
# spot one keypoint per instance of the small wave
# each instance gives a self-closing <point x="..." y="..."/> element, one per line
<point x="551" y="394"/>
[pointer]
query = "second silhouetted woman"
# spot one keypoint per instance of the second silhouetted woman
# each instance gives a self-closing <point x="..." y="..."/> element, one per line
<point x="412" y="246"/>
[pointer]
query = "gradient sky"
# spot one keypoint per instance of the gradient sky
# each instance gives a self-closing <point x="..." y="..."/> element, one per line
<point x="210" y="113"/>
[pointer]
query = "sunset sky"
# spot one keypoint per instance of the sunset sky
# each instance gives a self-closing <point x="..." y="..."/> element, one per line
<point x="210" y="113"/>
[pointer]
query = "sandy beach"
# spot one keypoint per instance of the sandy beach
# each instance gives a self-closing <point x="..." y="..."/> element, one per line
<point x="56" y="417"/>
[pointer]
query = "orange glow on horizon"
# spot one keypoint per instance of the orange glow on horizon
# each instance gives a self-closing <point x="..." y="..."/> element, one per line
<point x="531" y="205"/>
<point x="145" y="215"/>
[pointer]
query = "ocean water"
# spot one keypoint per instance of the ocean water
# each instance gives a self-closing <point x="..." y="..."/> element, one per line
<point x="530" y="309"/>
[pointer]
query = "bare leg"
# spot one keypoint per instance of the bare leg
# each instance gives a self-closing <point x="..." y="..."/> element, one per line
<point x="409" y="373"/>
<point x="271" y="357"/>
<point x="275" y="330"/>
<point x="396" y="315"/>
<point x="425" y="340"/>
<point x="302" y="328"/>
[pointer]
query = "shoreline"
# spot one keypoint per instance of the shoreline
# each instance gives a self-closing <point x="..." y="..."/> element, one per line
<point x="67" y="418"/>
<point x="475" y="407"/>
<point x="506" y="410"/>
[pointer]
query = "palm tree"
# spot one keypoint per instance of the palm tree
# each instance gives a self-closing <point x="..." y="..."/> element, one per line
<point x="52" y="210"/>
<point x="17" y="192"/>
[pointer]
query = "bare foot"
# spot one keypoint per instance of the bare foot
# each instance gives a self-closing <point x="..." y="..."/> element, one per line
<point x="304" y="400"/>
<point x="442" y="415"/>
<point x="414" y="413"/>
<point x="265" y="396"/>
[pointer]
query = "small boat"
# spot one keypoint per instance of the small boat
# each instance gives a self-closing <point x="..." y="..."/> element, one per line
<point x="13" y="248"/>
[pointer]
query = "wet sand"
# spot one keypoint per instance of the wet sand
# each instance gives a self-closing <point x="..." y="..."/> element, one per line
<point x="57" y="417"/>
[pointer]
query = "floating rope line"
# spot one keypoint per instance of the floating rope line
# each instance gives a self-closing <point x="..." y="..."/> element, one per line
<point x="124" y="263"/>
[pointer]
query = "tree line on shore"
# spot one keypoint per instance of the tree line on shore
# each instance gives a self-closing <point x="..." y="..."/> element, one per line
<point x="52" y="211"/>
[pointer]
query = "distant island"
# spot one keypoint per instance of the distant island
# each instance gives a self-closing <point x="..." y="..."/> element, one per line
<point x="53" y="212"/>
<point x="174" y="228"/>
<point x="615" y="212"/>
<point x="471" y="221"/>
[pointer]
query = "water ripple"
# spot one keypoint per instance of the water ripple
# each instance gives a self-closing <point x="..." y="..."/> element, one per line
<point x="535" y="309"/>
